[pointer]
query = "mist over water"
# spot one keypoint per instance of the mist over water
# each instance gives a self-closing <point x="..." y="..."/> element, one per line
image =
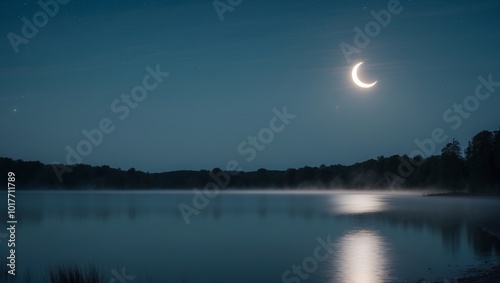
<point x="257" y="236"/>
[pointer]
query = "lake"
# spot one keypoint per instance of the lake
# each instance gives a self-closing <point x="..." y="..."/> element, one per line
<point x="271" y="236"/>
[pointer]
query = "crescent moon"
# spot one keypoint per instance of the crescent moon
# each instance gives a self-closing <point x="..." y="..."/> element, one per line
<point x="357" y="80"/>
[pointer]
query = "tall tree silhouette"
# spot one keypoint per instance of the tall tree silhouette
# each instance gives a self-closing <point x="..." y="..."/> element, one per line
<point x="452" y="166"/>
<point x="496" y="145"/>
<point x="480" y="160"/>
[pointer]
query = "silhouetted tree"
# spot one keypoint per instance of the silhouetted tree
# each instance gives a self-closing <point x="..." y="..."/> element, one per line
<point x="290" y="177"/>
<point x="496" y="159"/>
<point x="480" y="160"/>
<point x="452" y="166"/>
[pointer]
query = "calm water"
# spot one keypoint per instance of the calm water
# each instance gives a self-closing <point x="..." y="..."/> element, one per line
<point x="257" y="237"/>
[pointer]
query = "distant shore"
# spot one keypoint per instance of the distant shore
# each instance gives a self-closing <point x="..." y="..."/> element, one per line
<point x="461" y="194"/>
<point x="448" y="194"/>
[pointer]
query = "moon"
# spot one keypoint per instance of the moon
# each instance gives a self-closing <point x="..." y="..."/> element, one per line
<point x="357" y="80"/>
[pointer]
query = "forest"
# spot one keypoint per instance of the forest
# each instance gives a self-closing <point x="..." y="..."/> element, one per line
<point x="475" y="169"/>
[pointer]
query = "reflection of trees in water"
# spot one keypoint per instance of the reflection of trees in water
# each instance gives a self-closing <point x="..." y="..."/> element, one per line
<point x="262" y="206"/>
<point x="483" y="243"/>
<point x="451" y="233"/>
<point x="450" y="229"/>
<point x="300" y="207"/>
<point x="454" y="224"/>
<point x="453" y="228"/>
<point x="79" y="213"/>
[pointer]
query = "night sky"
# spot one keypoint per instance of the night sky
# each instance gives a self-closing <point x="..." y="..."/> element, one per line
<point x="226" y="77"/>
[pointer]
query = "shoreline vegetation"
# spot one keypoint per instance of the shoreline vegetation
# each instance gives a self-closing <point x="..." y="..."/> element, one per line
<point x="92" y="274"/>
<point x="475" y="171"/>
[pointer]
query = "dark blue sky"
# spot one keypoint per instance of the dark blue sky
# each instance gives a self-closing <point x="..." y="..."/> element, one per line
<point x="227" y="76"/>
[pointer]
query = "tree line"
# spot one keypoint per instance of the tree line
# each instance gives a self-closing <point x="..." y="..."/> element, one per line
<point x="475" y="169"/>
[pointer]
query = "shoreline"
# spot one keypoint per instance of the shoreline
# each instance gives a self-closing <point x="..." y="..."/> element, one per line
<point x="462" y="194"/>
<point x="492" y="275"/>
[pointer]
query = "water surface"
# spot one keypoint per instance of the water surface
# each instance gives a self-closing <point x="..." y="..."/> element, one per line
<point x="259" y="236"/>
